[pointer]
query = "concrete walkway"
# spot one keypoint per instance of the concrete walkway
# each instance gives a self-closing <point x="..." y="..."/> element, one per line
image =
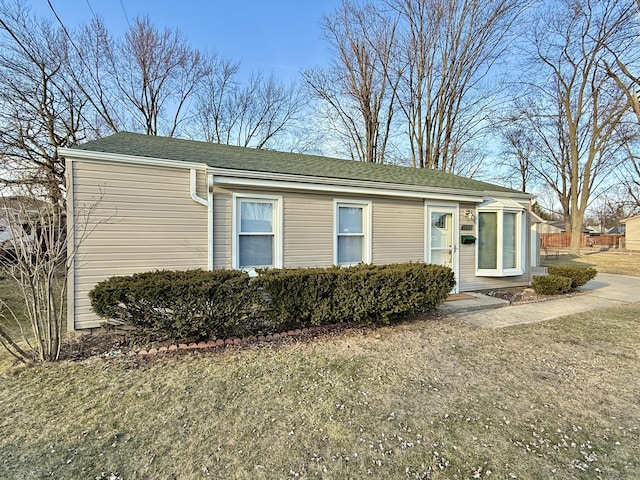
<point x="606" y="290"/>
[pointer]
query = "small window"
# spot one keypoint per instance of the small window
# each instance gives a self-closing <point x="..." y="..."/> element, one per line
<point x="500" y="245"/>
<point x="257" y="235"/>
<point x="352" y="235"/>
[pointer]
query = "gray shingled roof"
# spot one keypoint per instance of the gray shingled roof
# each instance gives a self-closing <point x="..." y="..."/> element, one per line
<point x="251" y="159"/>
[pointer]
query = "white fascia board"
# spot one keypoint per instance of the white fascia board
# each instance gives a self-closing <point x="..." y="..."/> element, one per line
<point x="332" y="185"/>
<point x="299" y="182"/>
<point x="90" y="156"/>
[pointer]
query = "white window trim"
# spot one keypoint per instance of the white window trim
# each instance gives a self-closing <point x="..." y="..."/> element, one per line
<point x="278" y="227"/>
<point x="521" y="219"/>
<point x="367" y="230"/>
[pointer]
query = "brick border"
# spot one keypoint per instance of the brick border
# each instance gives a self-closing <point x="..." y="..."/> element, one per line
<point x="239" y="342"/>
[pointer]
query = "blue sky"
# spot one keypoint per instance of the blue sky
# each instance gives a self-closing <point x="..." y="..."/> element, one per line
<point x="278" y="36"/>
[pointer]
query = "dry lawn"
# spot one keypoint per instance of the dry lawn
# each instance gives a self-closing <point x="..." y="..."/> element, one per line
<point x="432" y="399"/>
<point x="620" y="262"/>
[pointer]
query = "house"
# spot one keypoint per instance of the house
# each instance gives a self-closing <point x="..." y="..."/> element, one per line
<point x="632" y="233"/>
<point x="618" y="230"/>
<point x="15" y="211"/>
<point x="5" y="230"/>
<point x="138" y="203"/>
<point x="552" y="226"/>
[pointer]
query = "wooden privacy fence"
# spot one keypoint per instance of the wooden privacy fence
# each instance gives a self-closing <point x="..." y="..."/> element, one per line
<point x="560" y="240"/>
<point x="614" y="241"/>
<point x="563" y="240"/>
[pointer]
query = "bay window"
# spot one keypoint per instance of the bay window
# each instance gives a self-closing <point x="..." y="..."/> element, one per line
<point x="501" y="236"/>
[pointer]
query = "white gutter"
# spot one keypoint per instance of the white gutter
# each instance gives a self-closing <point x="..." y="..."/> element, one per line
<point x="88" y="156"/>
<point x="193" y="177"/>
<point x="327" y="184"/>
<point x="210" y="185"/>
<point x="304" y="182"/>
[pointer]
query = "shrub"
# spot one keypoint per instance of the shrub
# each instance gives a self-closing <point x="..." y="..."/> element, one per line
<point x="180" y="304"/>
<point x="551" y="284"/>
<point x="578" y="275"/>
<point x="361" y="295"/>
<point x="227" y="303"/>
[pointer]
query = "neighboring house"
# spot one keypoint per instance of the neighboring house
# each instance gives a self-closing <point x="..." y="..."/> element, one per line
<point x="142" y="203"/>
<point x="552" y="226"/>
<point x="619" y="230"/>
<point x="5" y="229"/>
<point x="557" y="226"/>
<point x="632" y="233"/>
<point x="14" y="210"/>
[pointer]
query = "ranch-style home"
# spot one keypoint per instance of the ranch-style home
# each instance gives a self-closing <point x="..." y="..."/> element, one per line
<point x="138" y="203"/>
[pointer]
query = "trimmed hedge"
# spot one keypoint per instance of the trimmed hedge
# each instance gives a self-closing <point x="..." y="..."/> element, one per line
<point x="361" y="295"/>
<point x="181" y="304"/>
<point x="578" y="275"/>
<point x="227" y="303"/>
<point x="551" y="284"/>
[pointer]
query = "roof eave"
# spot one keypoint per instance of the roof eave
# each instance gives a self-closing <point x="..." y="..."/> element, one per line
<point x="291" y="180"/>
<point x="223" y="175"/>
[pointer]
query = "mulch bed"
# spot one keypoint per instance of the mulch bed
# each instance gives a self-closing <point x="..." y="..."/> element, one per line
<point x="522" y="295"/>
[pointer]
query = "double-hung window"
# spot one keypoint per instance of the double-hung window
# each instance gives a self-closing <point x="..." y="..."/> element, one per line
<point x="257" y="233"/>
<point x="352" y="244"/>
<point x="501" y="236"/>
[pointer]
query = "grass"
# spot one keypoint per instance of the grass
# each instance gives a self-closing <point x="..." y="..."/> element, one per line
<point x="623" y="263"/>
<point x="435" y="398"/>
<point x="10" y="293"/>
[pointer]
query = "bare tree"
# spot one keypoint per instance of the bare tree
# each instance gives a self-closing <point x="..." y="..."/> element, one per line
<point x="622" y="67"/>
<point x="144" y="82"/>
<point x="448" y="48"/>
<point x="36" y="260"/>
<point x="91" y="51"/>
<point x="33" y="259"/>
<point x="629" y="174"/>
<point x="573" y="109"/>
<point x="619" y="66"/>
<point x="517" y="152"/>
<point x="157" y="73"/>
<point x="254" y="113"/>
<point x="40" y="110"/>
<point x="358" y="90"/>
<point x="609" y="208"/>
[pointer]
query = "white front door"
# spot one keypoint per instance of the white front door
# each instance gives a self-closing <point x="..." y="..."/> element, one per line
<point x="442" y="238"/>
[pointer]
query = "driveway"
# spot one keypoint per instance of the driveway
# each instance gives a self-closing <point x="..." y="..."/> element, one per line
<point x="605" y="291"/>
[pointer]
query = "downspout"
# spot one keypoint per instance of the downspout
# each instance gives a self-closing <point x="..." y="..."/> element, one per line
<point x="210" y="184"/>
<point x="207" y="202"/>
<point x="192" y="188"/>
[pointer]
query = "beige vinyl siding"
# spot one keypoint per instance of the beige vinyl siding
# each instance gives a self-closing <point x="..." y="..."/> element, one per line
<point x="398" y="230"/>
<point x="398" y="227"/>
<point x="140" y="218"/>
<point x="221" y="228"/>
<point x="308" y="230"/>
<point x="632" y="234"/>
<point x="307" y="233"/>
<point x="468" y="279"/>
